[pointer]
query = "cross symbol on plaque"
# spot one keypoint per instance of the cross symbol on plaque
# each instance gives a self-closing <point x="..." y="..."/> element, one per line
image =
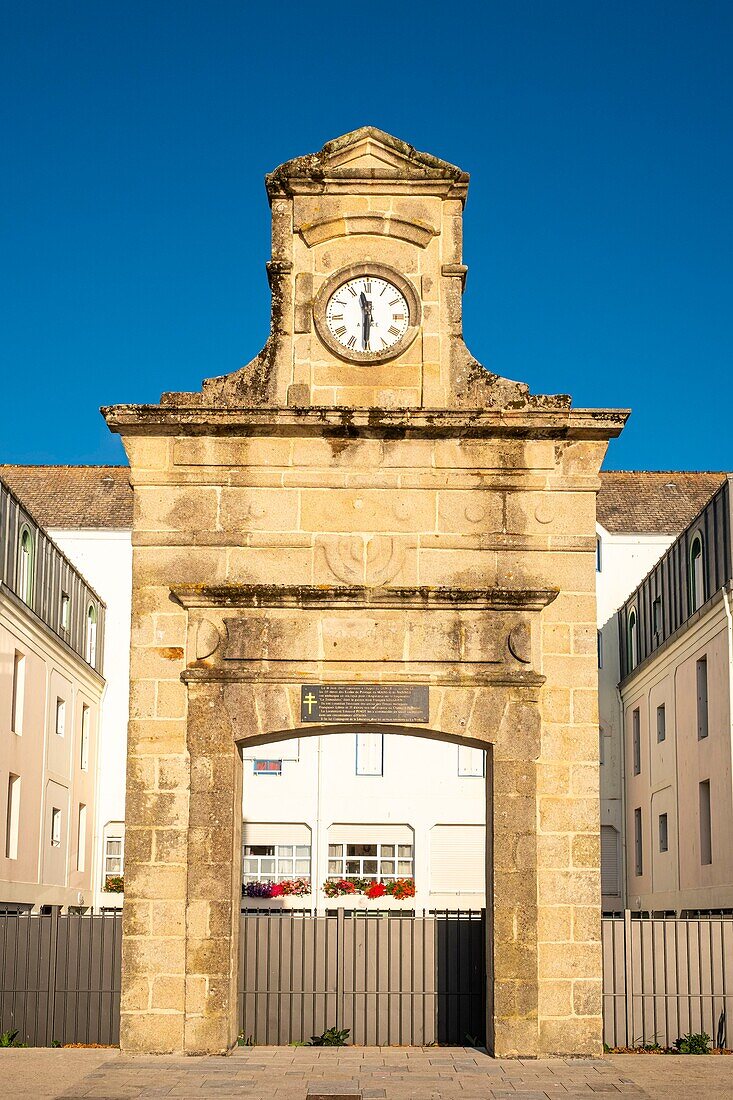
<point x="310" y="700"/>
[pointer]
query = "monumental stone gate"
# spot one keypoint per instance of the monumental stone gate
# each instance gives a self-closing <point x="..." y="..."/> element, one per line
<point x="363" y="503"/>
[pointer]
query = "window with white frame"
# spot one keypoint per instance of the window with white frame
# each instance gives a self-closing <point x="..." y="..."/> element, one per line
<point x="369" y="754"/>
<point x="471" y="761"/>
<point x="275" y="862"/>
<point x="633" y="640"/>
<point x="113" y="856"/>
<point x="18" y="693"/>
<point x="55" y="827"/>
<point x="65" y="610"/>
<point x="697" y="574"/>
<point x="84" y="748"/>
<point x="380" y="861"/>
<point x="81" y="838"/>
<point x="91" y="639"/>
<point x="60" y="716"/>
<point x="12" y="830"/>
<point x="25" y="565"/>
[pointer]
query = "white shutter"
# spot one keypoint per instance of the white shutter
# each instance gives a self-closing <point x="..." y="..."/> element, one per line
<point x="610" y="877"/>
<point x="276" y="832"/>
<point x="369" y="753"/>
<point x="458" y="859"/>
<point x="470" y="761"/>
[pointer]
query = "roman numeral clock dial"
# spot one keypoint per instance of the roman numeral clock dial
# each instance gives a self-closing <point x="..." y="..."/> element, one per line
<point x="367" y="314"/>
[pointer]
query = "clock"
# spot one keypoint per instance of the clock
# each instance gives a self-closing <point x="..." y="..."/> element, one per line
<point x="367" y="313"/>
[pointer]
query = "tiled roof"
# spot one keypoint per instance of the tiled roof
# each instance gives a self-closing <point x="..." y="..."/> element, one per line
<point x="69" y="497"/>
<point x="629" y="502"/>
<point x="653" y="502"/>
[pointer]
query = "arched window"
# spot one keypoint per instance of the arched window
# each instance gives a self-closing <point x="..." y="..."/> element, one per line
<point x="633" y="640"/>
<point x="91" y="646"/>
<point x="697" y="574"/>
<point x="25" y="565"/>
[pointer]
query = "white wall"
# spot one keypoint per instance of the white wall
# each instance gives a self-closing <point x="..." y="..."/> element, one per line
<point x="105" y="559"/>
<point x="625" y="561"/>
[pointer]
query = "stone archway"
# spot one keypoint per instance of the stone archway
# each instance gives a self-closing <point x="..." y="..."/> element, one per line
<point x="401" y="516"/>
<point x="237" y="695"/>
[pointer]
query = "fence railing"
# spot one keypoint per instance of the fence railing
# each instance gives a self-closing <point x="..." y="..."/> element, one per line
<point x="663" y="978"/>
<point x="391" y="979"/>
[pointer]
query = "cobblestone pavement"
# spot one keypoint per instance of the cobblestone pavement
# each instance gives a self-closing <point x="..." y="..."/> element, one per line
<point x="359" y="1073"/>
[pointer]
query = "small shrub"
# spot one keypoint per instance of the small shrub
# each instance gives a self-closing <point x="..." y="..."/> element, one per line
<point x="697" y="1043"/>
<point x="10" y="1039"/>
<point x="245" y="1040"/>
<point x="331" y="1037"/>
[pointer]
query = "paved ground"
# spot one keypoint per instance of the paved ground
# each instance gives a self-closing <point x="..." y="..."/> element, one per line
<point x="372" y="1073"/>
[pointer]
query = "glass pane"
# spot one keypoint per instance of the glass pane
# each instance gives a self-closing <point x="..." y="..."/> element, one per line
<point x="370" y="866"/>
<point x="334" y="867"/>
<point x="285" y="867"/>
<point x="361" y="849"/>
<point x="251" y="866"/>
<point x="267" y="866"/>
<point x="353" y="867"/>
<point x="303" y="866"/>
<point x="260" y="850"/>
<point x="303" y="851"/>
<point x="387" y="867"/>
<point x="285" y="850"/>
<point x="387" y="849"/>
<point x="404" y="868"/>
<point x="335" y="849"/>
<point x="405" y="851"/>
<point x="114" y="847"/>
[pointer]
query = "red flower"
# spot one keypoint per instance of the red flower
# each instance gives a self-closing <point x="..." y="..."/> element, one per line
<point x="276" y="890"/>
<point x="376" y="890"/>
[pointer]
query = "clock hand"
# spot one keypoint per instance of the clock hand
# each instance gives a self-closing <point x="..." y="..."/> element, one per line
<point x="366" y="311"/>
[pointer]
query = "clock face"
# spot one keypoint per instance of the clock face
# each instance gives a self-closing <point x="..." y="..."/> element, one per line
<point x="367" y="314"/>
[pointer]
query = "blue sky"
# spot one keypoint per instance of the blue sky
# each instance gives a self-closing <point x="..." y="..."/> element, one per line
<point x="598" y="231"/>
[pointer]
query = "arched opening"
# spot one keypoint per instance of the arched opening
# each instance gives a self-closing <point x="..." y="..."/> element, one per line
<point x="388" y="826"/>
<point x="26" y="554"/>
<point x="696" y="573"/>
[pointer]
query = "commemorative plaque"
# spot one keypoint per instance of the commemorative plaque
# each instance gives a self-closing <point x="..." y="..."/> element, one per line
<point x="403" y="703"/>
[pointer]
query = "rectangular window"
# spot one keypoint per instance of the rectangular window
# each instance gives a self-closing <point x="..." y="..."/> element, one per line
<point x="113" y="856"/>
<point x="18" y="693"/>
<point x="81" y="842"/>
<point x="599" y="554"/>
<point x="55" y="828"/>
<point x="60" y="717"/>
<point x="661" y="723"/>
<point x="639" y="855"/>
<point x="663" y="835"/>
<point x="600" y="648"/>
<point x="369" y="754"/>
<point x="636" y="738"/>
<point x="601" y="748"/>
<point x="657" y="615"/>
<point x="267" y="767"/>
<point x="470" y="761"/>
<point x="12" y="831"/>
<point x="701" y="670"/>
<point x="275" y="862"/>
<point x="380" y="861"/>
<point x="65" y="605"/>
<point x="706" y="836"/>
<point x="84" y="754"/>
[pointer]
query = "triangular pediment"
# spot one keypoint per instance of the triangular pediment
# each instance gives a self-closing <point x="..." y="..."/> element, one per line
<point x="367" y="153"/>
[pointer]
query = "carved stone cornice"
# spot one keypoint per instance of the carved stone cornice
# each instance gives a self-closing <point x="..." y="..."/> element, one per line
<point x="537" y="419"/>
<point x="421" y="597"/>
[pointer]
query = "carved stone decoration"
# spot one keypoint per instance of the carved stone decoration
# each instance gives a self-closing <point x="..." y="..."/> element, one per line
<point x="384" y="559"/>
<point x="345" y="558"/>
<point x="207" y="639"/>
<point x="520" y="643"/>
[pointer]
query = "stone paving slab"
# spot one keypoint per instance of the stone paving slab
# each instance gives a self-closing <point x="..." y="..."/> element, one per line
<point x="286" y="1073"/>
